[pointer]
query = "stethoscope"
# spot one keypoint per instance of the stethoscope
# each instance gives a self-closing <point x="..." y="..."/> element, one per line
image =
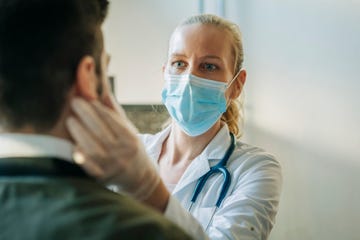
<point x="220" y="167"/>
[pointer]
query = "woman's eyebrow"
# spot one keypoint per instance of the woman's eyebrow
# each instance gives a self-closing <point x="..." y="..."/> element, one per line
<point x="205" y="57"/>
<point x="212" y="57"/>
<point x="177" y="55"/>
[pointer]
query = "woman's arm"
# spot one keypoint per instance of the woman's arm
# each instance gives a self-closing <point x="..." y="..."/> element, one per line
<point x="176" y="213"/>
<point x="248" y="213"/>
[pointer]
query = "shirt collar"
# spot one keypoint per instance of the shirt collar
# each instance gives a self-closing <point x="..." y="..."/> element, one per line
<point x="34" y="145"/>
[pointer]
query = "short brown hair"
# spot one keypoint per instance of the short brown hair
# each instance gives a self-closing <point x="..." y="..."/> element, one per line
<point x="41" y="45"/>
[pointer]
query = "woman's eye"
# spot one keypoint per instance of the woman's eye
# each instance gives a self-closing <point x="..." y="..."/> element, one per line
<point x="178" y="64"/>
<point x="209" y="67"/>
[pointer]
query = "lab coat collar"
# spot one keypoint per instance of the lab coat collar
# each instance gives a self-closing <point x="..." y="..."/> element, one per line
<point x="153" y="144"/>
<point x="213" y="153"/>
<point x="215" y="150"/>
<point x="217" y="147"/>
<point x="197" y="168"/>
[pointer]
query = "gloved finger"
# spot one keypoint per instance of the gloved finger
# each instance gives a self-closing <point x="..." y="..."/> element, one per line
<point x="88" y="165"/>
<point x="110" y="101"/>
<point x="119" y="125"/>
<point x="92" y="121"/>
<point x="86" y="142"/>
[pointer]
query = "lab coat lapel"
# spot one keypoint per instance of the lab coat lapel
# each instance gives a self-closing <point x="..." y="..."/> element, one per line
<point x="153" y="144"/>
<point x="195" y="170"/>
<point x="210" y="156"/>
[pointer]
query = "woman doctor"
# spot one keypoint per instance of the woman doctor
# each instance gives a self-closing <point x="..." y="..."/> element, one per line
<point x="239" y="197"/>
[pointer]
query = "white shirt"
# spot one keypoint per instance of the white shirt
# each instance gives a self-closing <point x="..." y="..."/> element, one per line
<point x="249" y="208"/>
<point x="34" y="145"/>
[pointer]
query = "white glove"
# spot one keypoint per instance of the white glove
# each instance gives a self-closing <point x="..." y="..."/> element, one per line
<point x="108" y="148"/>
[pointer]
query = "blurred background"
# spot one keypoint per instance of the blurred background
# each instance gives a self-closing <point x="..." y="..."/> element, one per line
<point x="302" y="95"/>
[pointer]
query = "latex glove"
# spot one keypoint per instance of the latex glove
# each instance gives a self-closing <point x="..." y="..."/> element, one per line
<point x="109" y="149"/>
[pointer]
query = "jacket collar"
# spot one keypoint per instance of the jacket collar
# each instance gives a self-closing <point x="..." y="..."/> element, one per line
<point x="36" y="155"/>
<point x="39" y="167"/>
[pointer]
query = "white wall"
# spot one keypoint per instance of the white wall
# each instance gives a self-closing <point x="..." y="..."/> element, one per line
<point x="136" y="35"/>
<point x="303" y="62"/>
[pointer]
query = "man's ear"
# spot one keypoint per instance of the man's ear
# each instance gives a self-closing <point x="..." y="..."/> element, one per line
<point x="238" y="85"/>
<point x="86" y="78"/>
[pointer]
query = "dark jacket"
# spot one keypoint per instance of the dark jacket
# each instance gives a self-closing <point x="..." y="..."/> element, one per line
<point x="47" y="198"/>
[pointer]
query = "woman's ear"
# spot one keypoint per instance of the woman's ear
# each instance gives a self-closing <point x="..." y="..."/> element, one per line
<point x="238" y="85"/>
<point x="86" y="78"/>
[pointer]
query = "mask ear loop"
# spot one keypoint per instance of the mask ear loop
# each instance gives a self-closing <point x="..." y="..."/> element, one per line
<point x="229" y="84"/>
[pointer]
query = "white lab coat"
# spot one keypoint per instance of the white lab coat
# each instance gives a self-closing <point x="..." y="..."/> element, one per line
<point x="249" y="208"/>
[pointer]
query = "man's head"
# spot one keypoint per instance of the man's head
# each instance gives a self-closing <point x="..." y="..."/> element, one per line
<point x="42" y="45"/>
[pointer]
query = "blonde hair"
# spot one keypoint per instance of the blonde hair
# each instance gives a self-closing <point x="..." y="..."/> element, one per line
<point x="234" y="115"/>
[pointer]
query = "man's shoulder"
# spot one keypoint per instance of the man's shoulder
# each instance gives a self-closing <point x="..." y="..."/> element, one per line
<point x="123" y="216"/>
<point x="77" y="208"/>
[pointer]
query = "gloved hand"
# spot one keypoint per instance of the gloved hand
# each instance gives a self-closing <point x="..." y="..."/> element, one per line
<point x="108" y="148"/>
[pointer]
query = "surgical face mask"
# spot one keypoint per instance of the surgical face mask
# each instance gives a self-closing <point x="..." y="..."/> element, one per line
<point x="194" y="103"/>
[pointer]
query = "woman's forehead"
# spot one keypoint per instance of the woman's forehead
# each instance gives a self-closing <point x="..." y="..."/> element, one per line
<point x="200" y="38"/>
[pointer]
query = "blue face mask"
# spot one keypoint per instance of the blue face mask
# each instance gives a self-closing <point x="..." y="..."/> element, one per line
<point x="194" y="103"/>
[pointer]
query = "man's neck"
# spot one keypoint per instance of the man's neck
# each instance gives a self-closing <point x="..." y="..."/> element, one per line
<point x="59" y="130"/>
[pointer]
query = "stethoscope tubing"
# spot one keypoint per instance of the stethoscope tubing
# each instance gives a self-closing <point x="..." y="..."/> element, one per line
<point x="218" y="168"/>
